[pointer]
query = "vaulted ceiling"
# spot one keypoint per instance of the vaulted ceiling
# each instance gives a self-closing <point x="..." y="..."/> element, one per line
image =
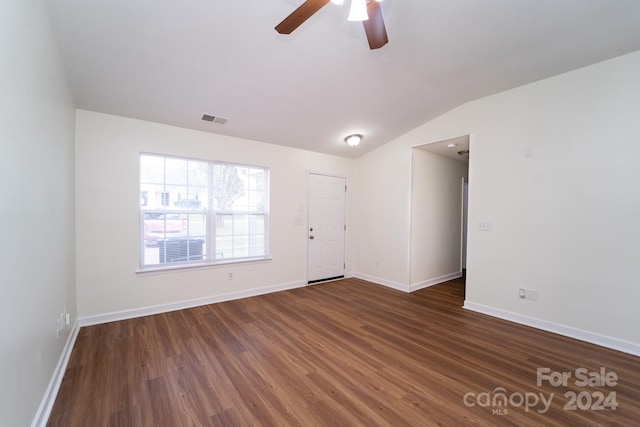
<point x="171" y="61"/>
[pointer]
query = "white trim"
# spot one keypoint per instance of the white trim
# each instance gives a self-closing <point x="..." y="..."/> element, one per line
<point x="180" y="305"/>
<point x="407" y="288"/>
<point x="49" y="398"/>
<point x="199" y="266"/>
<point x="383" y="282"/>
<point x="568" y="331"/>
<point x="437" y="280"/>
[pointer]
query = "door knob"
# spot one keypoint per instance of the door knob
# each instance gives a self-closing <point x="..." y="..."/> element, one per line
<point x="311" y="237"/>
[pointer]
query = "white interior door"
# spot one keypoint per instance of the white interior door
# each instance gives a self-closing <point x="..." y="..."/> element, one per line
<point x="326" y="232"/>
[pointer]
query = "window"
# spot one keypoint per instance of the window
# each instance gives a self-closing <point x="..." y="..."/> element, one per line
<point x="199" y="212"/>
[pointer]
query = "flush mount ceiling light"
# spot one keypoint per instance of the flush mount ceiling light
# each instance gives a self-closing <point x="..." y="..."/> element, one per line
<point x="353" y="140"/>
<point x="451" y="145"/>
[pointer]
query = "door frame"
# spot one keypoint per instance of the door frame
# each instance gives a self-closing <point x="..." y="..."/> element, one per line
<point x="464" y="224"/>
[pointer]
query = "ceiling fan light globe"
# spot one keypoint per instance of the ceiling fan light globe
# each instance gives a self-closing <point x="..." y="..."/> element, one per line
<point x="338" y="2"/>
<point x="358" y="11"/>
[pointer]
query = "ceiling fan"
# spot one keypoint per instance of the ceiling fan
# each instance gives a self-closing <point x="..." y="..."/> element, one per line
<point x="367" y="11"/>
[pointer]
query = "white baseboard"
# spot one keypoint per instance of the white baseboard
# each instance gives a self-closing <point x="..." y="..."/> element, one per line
<point x="383" y="282"/>
<point x="181" y="305"/>
<point x="46" y="405"/>
<point x="408" y="288"/>
<point x="568" y="331"/>
<point x="426" y="283"/>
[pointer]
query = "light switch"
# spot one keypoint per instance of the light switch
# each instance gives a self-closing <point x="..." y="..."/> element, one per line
<point x="485" y="226"/>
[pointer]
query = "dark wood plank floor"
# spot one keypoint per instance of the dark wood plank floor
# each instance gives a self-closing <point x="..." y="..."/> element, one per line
<point x="346" y="353"/>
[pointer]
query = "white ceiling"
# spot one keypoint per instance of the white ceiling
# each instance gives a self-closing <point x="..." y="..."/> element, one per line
<point x="449" y="148"/>
<point x="171" y="61"/>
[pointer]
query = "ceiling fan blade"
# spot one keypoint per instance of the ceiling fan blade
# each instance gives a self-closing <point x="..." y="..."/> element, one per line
<point x="301" y="14"/>
<point x="374" y="26"/>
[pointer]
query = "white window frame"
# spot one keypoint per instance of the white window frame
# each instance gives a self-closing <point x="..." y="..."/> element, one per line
<point x="211" y="213"/>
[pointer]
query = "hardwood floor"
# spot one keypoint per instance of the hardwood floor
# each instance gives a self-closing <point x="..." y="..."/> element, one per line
<point x="345" y="353"/>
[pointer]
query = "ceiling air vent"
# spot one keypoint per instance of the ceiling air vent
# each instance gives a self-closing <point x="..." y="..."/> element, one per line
<point x="215" y="119"/>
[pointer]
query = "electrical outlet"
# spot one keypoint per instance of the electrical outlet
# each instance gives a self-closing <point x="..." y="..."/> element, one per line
<point x="62" y="322"/>
<point x="230" y="276"/>
<point x="522" y="293"/>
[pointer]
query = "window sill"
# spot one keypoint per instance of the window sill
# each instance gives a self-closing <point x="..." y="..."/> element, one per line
<point x="197" y="266"/>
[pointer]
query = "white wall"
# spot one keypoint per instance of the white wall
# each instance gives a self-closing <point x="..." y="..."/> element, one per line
<point x="107" y="194"/>
<point x="382" y="203"/>
<point x="566" y="221"/>
<point x="436" y="218"/>
<point x="36" y="208"/>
